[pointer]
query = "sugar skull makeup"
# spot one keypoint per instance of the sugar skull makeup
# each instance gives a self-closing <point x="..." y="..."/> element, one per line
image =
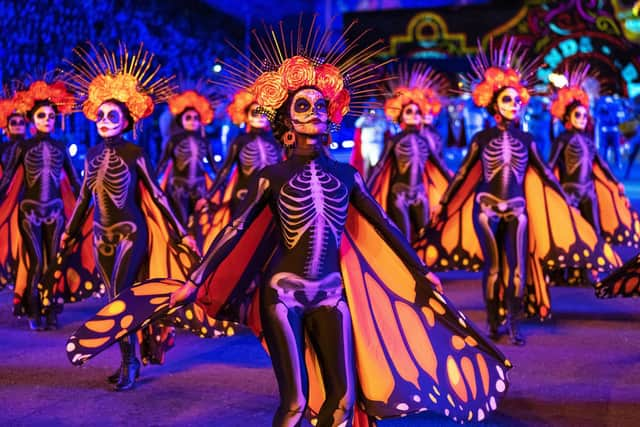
<point x="110" y="120"/>
<point x="190" y="121"/>
<point x="411" y="115"/>
<point x="255" y="119"/>
<point x="579" y="117"/>
<point x="16" y="125"/>
<point x="308" y="112"/>
<point x="44" y="118"/>
<point x="509" y="104"/>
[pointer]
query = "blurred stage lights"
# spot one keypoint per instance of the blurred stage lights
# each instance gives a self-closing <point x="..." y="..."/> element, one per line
<point x="558" y="80"/>
<point x="73" y="149"/>
<point x="217" y="68"/>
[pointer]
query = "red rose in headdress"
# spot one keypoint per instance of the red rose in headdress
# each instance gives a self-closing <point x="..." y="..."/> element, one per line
<point x="329" y="80"/>
<point x="297" y="72"/>
<point x="269" y="90"/>
<point x="339" y="106"/>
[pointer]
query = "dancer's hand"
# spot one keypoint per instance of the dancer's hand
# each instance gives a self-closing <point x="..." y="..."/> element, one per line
<point x="435" y="281"/>
<point x="184" y="293"/>
<point x="65" y="241"/>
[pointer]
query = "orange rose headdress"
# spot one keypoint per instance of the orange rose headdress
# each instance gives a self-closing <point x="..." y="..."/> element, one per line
<point x="197" y="95"/>
<point x="286" y="62"/>
<point x="7" y="107"/>
<point x="505" y="66"/>
<point x="237" y="109"/>
<point x="47" y="88"/>
<point x="572" y="92"/>
<point x="419" y="85"/>
<point x="127" y="77"/>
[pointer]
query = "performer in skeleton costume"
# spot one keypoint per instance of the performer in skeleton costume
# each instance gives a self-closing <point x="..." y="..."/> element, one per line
<point x="185" y="178"/>
<point x="14" y="125"/>
<point x="410" y="178"/>
<point x="584" y="175"/>
<point x="136" y="234"/>
<point x="504" y="207"/>
<point x="38" y="183"/>
<point x="309" y="216"/>
<point x="249" y="152"/>
<point x="247" y="155"/>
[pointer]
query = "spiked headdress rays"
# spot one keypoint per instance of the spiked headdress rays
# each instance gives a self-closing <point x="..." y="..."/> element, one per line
<point x="418" y="84"/>
<point x="573" y="92"/>
<point x="286" y="61"/>
<point x="505" y="66"/>
<point x="128" y="77"/>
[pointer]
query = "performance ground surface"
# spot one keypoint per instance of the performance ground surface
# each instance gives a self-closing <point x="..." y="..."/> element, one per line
<point x="582" y="368"/>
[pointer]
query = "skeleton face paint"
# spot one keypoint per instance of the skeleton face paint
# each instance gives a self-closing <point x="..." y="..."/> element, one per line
<point x="509" y="104"/>
<point x="45" y="119"/>
<point x="578" y="118"/>
<point x="308" y="112"/>
<point x="110" y="120"/>
<point x="17" y="125"/>
<point x="255" y="119"/>
<point x="190" y="121"/>
<point x="411" y="115"/>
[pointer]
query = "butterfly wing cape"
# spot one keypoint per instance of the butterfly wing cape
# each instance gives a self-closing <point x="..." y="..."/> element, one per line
<point x="618" y="220"/>
<point x="558" y="237"/>
<point x="624" y="282"/>
<point x="414" y="350"/>
<point x="70" y="280"/>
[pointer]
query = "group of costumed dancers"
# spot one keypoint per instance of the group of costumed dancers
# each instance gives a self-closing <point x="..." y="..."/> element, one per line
<point x="332" y="270"/>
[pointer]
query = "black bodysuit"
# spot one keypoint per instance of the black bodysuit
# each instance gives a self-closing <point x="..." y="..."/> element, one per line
<point x="309" y="196"/>
<point x="501" y="219"/>
<point x="574" y="154"/>
<point x="250" y="153"/>
<point x="113" y="171"/>
<point x="41" y="216"/>
<point x="186" y="183"/>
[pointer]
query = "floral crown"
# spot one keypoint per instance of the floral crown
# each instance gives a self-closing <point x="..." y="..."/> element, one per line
<point x="55" y="92"/>
<point x="237" y="109"/>
<point x="572" y="92"/>
<point x="7" y="107"/>
<point x="418" y="85"/>
<point x="506" y="66"/>
<point x="129" y="78"/>
<point x="198" y="95"/>
<point x="285" y="63"/>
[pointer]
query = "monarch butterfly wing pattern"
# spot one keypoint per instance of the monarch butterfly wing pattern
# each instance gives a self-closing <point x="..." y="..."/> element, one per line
<point x="624" y="282"/>
<point x="11" y="241"/>
<point x="164" y="181"/>
<point x="559" y="238"/>
<point x="453" y="244"/>
<point x="414" y="351"/>
<point x="380" y="186"/>
<point x="213" y="221"/>
<point x="131" y="310"/>
<point x="618" y="220"/>
<point x="435" y="183"/>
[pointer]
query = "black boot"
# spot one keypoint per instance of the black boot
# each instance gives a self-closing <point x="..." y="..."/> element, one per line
<point x="130" y="365"/>
<point x="51" y="320"/>
<point x="513" y="318"/>
<point x="115" y="377"/>
<point x="35" y="323"/>
<point x="493" y="318"/>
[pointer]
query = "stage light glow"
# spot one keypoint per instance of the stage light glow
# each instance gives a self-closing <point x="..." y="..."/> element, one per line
<point x="558" y="80"/>
<point x="217" y="157"/>
<point x="333" y="145"/>
<point x="73" y="150"/>
<point x="348" y="143"/>
<point x="217" y="68"/>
